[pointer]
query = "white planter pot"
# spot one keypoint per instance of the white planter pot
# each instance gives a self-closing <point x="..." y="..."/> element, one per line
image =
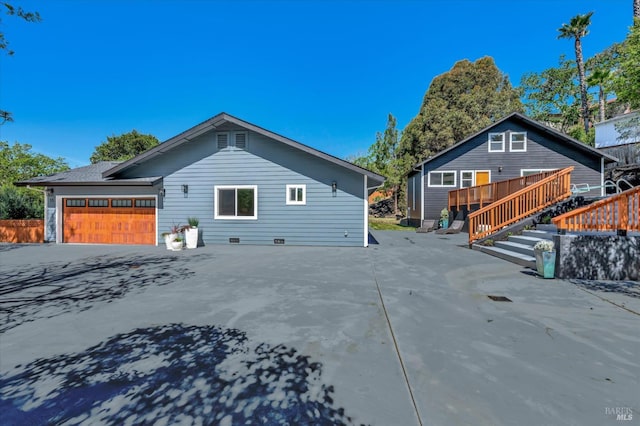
<point x="191" y="236"/>
<point x="176" y="245"/>
<point x="168" y="239"/>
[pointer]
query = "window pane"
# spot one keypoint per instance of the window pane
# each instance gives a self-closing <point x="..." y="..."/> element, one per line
<point x="292" y="194"/>
<point x="245" y="202"/>
<point x="449" y="179"/>
<point x="227" y="202"/>
<point x="300" y="196"/>
<point x="145" y="203"/>
<point x="101" y="202"/>
<point x="436" y="178"/>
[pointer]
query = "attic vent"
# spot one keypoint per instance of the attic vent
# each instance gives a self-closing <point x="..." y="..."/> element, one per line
<point x="223" y="140"/>
<point x="241" y="140"/>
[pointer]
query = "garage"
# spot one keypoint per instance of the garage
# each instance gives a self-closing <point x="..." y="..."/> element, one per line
<point x="120" y="220"/>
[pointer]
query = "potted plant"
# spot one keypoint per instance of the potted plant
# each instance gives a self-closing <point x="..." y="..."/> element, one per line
<point x="444" y="218"/>
<point x="545" y="253"/>
<point x="177" y="243"/>
<point x="170" y="236"/>
<point x="191" y="232"/>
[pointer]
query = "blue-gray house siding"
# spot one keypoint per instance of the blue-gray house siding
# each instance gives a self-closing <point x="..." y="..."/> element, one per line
<point x="179" y="178"/>
<point x="545" y="150"/>
<point x="325" y="219"/>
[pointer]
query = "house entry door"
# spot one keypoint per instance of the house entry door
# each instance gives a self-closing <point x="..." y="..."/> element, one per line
<point x="482" y="178"/>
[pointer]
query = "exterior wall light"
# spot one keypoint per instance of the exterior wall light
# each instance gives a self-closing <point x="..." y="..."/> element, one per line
<point x="162" y="192"/>
<point x="334" y="188"/>
<point x="185" y="189"/>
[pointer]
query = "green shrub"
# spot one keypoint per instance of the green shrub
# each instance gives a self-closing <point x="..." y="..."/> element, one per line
<point x="16" y="203"/>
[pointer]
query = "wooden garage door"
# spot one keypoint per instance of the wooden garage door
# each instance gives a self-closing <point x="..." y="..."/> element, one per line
<point x="109" y="220"/>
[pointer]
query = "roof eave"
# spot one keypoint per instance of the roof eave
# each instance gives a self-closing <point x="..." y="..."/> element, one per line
<point x="216" y="121"/>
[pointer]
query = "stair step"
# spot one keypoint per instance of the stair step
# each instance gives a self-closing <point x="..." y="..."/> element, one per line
<point x="527" y="239"/>
<point x="516" y="247"/>
<point x="548" y="227"/>
<point x="517" y="258"/>
<point x="543" y="235"/>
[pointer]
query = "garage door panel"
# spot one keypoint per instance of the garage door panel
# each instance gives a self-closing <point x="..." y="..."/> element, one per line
<point x="108" y="225"/>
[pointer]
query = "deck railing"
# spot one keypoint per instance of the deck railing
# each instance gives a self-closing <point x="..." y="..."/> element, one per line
<point x="620" y="212"/>
<point x="520" y="204"/>
<point x="490" y="192"/>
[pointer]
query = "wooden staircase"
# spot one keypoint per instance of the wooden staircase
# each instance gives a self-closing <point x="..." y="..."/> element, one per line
<point x="520" y="204"/>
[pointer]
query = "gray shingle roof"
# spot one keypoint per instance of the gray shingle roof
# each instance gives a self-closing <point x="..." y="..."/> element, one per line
<point x="87" y="175"/>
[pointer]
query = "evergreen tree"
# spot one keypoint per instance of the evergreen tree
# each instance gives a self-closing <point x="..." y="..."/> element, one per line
<point x="458" y="103"/>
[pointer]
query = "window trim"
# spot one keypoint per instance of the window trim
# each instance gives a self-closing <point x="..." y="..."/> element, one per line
<point x="473" y="178"/>
<point x="455" y="180"/>
<point x="235" y="187"/>
<point x="524" y="142"/>
<point x="289" y="187"/>
<point x="489" y="142"/>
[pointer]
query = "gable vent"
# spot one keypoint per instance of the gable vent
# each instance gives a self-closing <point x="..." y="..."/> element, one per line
<point x="241" y="140"/>
<point x="223" y="140"/>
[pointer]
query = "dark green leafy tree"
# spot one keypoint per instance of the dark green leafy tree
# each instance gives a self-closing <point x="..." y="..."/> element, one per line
<point x="627" y="84"/>
<point x="16" y="203"/>
<point x="551" y="96"/>
<point x="576" y="29"/>
<point x="10" y="10"/>
<point x="458" y="103"/>
<point x="18" y="162"/>
<point x="123" y="147"/>
<point x="464" y="100"/>
<point x="382" y="157"/>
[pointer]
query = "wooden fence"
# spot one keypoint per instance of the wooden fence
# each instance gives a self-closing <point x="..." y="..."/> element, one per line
<point x="620" y="212"/>
<point x="520" y="204"/>
<point x="22" y="231"/>
<point x="482" y="195"/>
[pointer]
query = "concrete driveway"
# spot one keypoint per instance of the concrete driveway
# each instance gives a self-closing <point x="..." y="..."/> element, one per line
<point x="400" y="333"/>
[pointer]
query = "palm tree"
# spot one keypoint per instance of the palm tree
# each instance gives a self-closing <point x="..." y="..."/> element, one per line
<point x="576" y="29"/>
<point x="600" y="77"/>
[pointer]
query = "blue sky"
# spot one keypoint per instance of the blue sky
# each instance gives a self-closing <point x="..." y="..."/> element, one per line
<point x="324" y="73"/>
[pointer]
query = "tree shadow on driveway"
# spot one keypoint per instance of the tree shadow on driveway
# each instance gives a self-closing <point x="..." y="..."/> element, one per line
<point x="172" y="374"/>
<point x="49" y="290"/>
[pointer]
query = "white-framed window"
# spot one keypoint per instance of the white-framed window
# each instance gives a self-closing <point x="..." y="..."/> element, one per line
<point x="235" y="202"/>
<point x="496" y="142"/>
<point x="467" y="178"/>
<point x="529" y="172"/>
<point x="297" y="194"/>
<point x="518" y="142"/>
<point x="442" y="179"/>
